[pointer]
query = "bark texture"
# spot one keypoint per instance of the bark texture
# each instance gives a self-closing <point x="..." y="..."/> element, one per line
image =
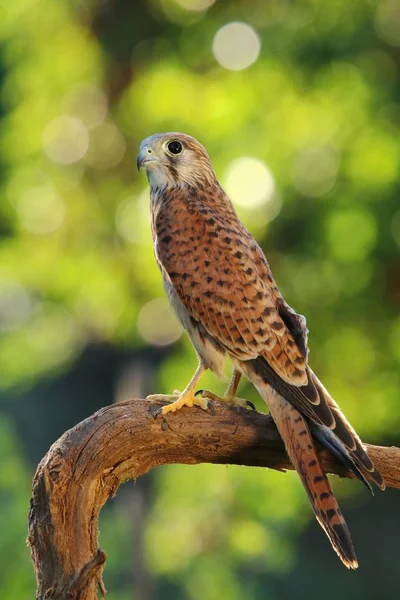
<point x="88" y="463"/>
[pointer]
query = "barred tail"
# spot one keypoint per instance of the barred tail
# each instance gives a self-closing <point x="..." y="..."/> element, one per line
<point x="353" y="446"/>
<point x="300" y="447"/>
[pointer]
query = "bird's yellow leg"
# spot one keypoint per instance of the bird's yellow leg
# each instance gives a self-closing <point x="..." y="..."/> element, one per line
<point x="230" y="395"/>
<point x="185" y="398"/>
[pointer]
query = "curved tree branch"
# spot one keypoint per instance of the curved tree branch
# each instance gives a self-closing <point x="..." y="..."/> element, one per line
<point x="88" y="463"/>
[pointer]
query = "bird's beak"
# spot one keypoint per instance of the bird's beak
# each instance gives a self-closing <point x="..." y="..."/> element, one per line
<point x="144" y="157"/>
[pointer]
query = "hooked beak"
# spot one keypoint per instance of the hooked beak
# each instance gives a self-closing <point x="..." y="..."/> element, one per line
<point x="144" y="157"/>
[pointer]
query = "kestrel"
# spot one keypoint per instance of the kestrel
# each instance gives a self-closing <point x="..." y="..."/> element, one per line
<point x="222" y="290"/>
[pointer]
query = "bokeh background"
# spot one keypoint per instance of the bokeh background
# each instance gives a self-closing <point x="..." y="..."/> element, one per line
<point x="298" y="104"/>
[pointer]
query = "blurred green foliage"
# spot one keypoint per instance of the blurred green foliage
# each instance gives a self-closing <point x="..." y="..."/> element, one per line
<point x="81" y="85"/>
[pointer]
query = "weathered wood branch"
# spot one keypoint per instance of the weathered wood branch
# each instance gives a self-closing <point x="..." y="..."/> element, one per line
<point x="123" y="441"/>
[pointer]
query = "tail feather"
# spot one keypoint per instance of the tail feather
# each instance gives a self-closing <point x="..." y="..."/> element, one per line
<point x="314" y="402"/>
<point x="330" y="441"/>
<point x="346" y="434"/>
<point x="296" y="410"/>
<point x="301" y="449"/>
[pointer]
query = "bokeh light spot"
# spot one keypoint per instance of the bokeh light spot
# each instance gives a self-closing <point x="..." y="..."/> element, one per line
<point x="316" y="282"/>
<point x="195" y="5"/>
<point x="315" y="170"/>
<point x="15" y="305"/>
<point x="236" y="46"/>
<point x="65" y="140"/>
<point x="41" y="210"/>
<point x="249" y="538"/>
<point x="87" y="103"/>
<point x="387" y="22"/>
<point x="157" y="324"/>
<point x="351" y="234"/>
<point x="355" y="344"/>
<point x="52" y="332"/>
<point x="106" y="147"/>
<point x="249" y="182"/>
<point x="374" y="158"/>
<point x="126" y="219"/>
<point x="132" y="219"/>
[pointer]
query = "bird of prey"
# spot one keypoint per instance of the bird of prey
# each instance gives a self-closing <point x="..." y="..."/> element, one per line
<point x="222" y="290"/>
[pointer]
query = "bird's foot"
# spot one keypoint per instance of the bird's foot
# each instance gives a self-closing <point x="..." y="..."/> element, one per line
<point x="164" y="397"/>
<point x="179" y="399"/>
<point x="226" y="399"/>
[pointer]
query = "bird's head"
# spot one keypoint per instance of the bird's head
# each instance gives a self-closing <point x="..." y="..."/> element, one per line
<point x="174" y="159"/>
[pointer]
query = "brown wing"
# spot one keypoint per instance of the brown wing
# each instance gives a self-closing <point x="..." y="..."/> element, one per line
<point x="223" y="279"/>
<point x="219" y="278"/>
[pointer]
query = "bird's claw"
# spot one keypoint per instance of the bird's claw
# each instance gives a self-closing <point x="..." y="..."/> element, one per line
<point x="209" y="405"/>
<point x="179" y="399"/>
<point x="158" y="412"/>
<point x="233" y="401"/>
<point x="250" y="405"/>
<point x="211" y="408"/>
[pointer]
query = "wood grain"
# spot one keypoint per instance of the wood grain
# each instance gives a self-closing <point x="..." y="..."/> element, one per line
<point x="88" y="463"/>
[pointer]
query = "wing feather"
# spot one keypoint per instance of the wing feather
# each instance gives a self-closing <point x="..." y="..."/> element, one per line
<point x="233" y="294"/>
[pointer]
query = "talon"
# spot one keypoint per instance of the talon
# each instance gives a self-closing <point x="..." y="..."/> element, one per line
<point x="210" y="407"/>
<point x="226" y="399"/>
<point x="158" y="412"/>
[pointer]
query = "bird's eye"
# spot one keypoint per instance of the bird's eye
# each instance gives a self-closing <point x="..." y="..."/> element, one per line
<point x="175" y="147"/>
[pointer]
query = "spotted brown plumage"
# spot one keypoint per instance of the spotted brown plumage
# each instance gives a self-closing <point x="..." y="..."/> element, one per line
<point x="221" y="287"/>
